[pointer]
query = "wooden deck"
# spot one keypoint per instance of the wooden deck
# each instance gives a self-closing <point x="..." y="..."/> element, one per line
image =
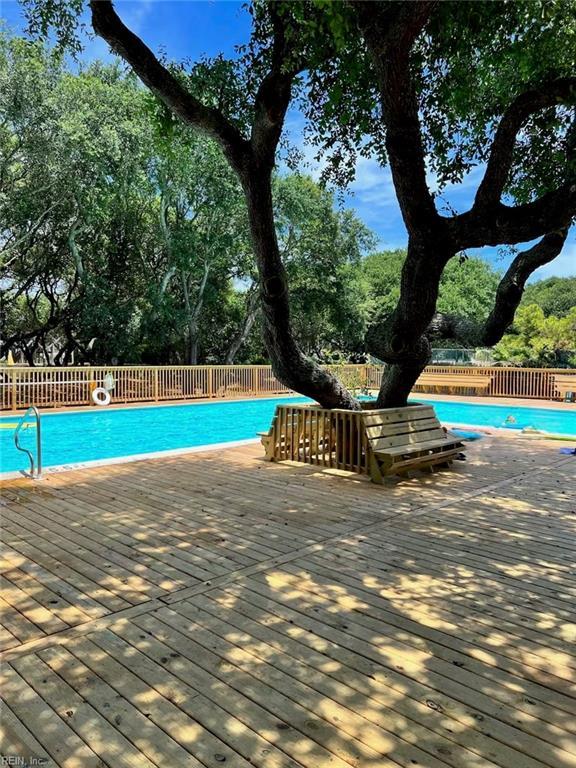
<point x="214" y="610"/>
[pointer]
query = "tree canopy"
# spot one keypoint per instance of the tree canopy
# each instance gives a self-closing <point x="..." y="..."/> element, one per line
<point x="555" y="295"/>
<point x="537" y="339"/>
<point x="125" y="233"/>
<point x="425" y="87"/>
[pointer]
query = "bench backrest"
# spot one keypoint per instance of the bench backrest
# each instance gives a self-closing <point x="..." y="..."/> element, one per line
<point x="392" y="428"/>
<point x="459" y="378"/>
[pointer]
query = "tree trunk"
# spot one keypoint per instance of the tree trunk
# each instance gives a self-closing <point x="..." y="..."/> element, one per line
<point x="246" y="327"/>
<point x="193" y="344"/>
<point x="289" y="364"/>
<point x="398" y="380"/>
<point x="402" y="343"/>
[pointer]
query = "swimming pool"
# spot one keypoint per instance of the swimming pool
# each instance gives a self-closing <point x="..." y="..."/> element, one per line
<point x="80" y="436"/>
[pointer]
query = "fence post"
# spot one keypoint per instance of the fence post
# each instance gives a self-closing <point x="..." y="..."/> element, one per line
<point x="13" y="389"/>
<point x="210" y="383"/>
<point x="156" y="384"/>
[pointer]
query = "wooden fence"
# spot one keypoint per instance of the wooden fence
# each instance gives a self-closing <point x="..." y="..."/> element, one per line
<point x="55" y="387"/>
<point x="537" y="383"/>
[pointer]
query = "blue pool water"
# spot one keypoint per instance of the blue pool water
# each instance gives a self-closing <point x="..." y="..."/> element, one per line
<point x="79" y="436"/>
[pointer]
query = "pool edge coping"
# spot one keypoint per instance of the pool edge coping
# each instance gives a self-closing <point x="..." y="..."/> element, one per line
<point x="483" y="429"/>
<point x="58" y="468"/>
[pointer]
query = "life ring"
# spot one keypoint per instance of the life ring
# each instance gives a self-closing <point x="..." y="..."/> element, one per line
<point x="101" y="396"/>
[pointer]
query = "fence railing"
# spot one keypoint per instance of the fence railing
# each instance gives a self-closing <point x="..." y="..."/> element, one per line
<point x="21" y="387"/>
<point x="47" y="387"/>
<point x="536" y="383"/>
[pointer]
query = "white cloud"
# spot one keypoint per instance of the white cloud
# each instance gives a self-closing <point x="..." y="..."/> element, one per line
<point x="373" y="184"/>
<point x="134" y="13"/>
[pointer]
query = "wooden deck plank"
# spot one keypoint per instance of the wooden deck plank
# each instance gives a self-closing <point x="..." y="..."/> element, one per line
<point x="408" y="740"/>
<point x="92" y="730"/>
<point x="560" y="659"/>
<point x="106" y="528"/>
<point x="228" y="714"/>
<point x="452" y="696"/>
<point x="244" y="511"/>
<point x="56" y="734"/>
<point x="214" y="609"/>
<point x="394" y="633"/>
<point x="64" y="610"/>
<point x="93" y="582"/>
<point x="119" y="581"/>
<point x="472" y="610"/>
<point x="278" y="728"/>
<point x="17" y="624"/>
<point x="51" y="573"/>
<point x="184" y="730"/>
<point x="261" y="688"/>
<point x="409" y="697"/>
<point x="129" y="725"/>
<point x="36" y="613"/>
<point x="516" y="693"/>
<point x="126" y="558"/>
<point x="16" y="740"/>
<point x="441" y="575"/>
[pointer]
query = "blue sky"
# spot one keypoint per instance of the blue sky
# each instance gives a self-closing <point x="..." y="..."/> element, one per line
<point x="190" y="29"/>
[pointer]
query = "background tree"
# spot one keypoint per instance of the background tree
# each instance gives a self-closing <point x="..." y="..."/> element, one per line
<point x="536" y="339"/>
<point x="142" y="253"/>
<point x="555" y="295"/>
<point x="445" y="87"/>
<point x="465" y="296"/>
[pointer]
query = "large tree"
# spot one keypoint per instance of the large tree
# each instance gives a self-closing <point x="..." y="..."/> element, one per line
<point x="415" y="55"/>
<point x="249" y="142"/>
<point x="446" y="86"/>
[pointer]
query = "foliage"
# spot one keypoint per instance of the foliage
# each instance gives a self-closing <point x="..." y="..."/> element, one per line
<point x="556" y="295"/>
<point x="125" y="235"/>
<point x="467" y="67"/>
<point x="467" y="287"/>
<point x="321" y="248"/>
<point x="540" y="340"/>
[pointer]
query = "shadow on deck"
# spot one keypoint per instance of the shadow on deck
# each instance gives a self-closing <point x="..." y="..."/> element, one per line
<point x="216" y="610"/>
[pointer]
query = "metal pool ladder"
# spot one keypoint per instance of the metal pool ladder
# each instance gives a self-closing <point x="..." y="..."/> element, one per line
<point x="35" y="467"/>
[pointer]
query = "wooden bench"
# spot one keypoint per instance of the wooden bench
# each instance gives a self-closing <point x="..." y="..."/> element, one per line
<point x="268" y="440"/>
<point x="476" y="381"/>
<point x="402" y="439"/>
<point x="286" y="435"/>
<point x="565" y="385"/>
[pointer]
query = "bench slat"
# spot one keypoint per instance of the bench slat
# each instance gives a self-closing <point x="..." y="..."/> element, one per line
<point x="389" y="444"/>
<point x="417" y="412"/>
<point x="424" y="461"/>
<point x="426" y="445"/>
<point x="401" y="428"/>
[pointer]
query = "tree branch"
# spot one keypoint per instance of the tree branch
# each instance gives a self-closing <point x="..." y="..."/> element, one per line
<point x="490" y="222"/>
<point x="162" y="82"/>
<point x="511" y="286"/>
<point x="508" y="296"/>
<point x="390" y="30"/>
<point x="502" y="150"/>
<point x="516" y="224"/>
<point x="274" y="94"/>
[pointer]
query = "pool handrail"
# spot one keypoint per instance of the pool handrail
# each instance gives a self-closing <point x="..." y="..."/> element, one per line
<point x="38" y="465"/>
